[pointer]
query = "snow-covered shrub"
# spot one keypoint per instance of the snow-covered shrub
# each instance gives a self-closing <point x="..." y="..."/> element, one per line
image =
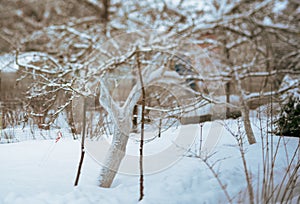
<point x="289" y="119"/>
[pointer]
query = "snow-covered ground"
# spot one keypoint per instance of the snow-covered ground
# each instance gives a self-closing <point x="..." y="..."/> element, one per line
<point x="42" y="171"/>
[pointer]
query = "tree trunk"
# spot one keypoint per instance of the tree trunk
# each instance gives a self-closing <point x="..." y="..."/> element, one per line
<point x="227" y="90"/>
<point x="105" y="15"/>
<point x="245" y="113"/>
<point x="122" y="119"/>
<point x="244" y="109"/>
<point x="114" y="158"/>
<point x="247" y="123"/>
<point x="71" y="120"/>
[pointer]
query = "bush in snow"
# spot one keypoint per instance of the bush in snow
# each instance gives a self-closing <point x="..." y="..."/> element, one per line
<point x="289" y="119"/>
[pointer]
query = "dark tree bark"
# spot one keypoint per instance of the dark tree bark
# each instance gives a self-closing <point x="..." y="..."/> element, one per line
<point x="82" y="143"/>
<point x="142" y="130"/>
<point x="135" y="118"/>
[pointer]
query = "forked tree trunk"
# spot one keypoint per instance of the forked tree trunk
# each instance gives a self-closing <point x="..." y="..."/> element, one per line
<point x="122" y="127"/>
<point x="114" y="158"/>
<point x="122" y="119"/>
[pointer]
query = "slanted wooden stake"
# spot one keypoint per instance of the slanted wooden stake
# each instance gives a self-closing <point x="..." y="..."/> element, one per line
<point x="142" y="128"/>
<point x="82" y="142"/>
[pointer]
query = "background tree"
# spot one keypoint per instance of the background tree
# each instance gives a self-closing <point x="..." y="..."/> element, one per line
<point x="247" y="37"/>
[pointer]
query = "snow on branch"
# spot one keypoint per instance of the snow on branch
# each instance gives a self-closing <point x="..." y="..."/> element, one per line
<point x="30" y="58"/>
<point x="95" y="4"/>
<point x="279" y="26"/>
<point x="268" y="74"/>
<point x="253" y="96"/>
